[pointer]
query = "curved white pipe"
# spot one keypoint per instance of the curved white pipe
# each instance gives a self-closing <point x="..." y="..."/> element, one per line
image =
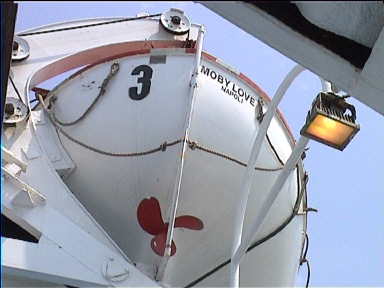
<point x="257" y="140"/>
<point x="239" y="247"/>
<point x="265" y="208"/>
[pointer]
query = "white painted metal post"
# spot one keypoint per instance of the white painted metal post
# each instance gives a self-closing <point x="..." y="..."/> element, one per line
<point x="175" y="197"/>
<point x="257" y="140"/>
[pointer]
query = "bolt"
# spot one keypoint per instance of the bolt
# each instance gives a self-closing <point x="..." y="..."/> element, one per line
<point x="9" y="108"/>
<point x="176" y="20"/>
<point x="15" y="46"/>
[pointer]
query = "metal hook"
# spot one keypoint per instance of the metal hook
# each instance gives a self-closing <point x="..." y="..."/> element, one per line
<point x="114" y="68"/>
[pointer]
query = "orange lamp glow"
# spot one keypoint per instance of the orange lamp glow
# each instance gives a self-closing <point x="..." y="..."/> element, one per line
<point x="328" y="123"/>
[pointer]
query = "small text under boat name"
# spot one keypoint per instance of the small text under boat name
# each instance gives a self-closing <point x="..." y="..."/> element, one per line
<point x="230" y="88"/>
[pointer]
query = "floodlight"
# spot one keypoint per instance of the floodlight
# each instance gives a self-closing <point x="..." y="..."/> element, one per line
<point x="328" y="121"/>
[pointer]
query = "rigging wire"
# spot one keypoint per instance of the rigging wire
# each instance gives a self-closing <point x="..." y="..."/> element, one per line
<point x="16" y="90"/>
<point x="192" y="145"/>
<point x="113" y="70"/>
<point x="89" y="25"/>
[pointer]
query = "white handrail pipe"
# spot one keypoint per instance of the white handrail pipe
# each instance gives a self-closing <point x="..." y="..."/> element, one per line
<point x="257" y="140"/>
<point x="267" y="204"/>
<point x="238" y="250"/>
<point x="175" y="196"/>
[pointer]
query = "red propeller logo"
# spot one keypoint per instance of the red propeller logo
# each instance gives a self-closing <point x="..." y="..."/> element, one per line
<point x="150" y="219"/>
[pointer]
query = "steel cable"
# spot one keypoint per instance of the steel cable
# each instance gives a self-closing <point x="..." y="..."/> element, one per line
<point x="16" y="90"/>
<point x="192" y="144"/>
<point x="88" y="25"/>
<point x="114" y="69"/>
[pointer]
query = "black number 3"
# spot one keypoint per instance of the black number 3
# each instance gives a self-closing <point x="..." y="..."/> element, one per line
<point x="144" y="80"/>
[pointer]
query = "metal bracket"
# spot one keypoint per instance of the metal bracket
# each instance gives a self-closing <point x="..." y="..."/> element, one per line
<point x="259" y="110"/>
<point x="20" y="49"/>
<point x="27" y="196"/>
<point x="114" y="272"/>
<point x="9" y="157"/>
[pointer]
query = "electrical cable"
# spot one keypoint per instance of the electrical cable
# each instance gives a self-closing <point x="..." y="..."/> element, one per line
<point x="262" y="240"/>
<point x="308" y="274"/>
<point x="274" y="149"/>
<point x="305" y="260"/>
<point x="282" y="225"/>
<point x="308" y="271"/>
<point x="304" y="256"/>
<point x="88" y="25"/>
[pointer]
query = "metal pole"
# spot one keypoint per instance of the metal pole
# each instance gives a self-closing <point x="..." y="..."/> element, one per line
<point x="8" y="19"/>
<point x="175" y="197"/>
<point x="257" y="139"/>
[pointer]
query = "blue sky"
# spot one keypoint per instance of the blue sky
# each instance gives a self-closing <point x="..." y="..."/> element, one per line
<point x="347" y="235"/>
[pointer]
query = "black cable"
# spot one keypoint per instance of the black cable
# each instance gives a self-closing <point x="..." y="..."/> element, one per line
<point x="262" y="240"/>
<point x="274" y="149"/>
<point x="88" y="25"/>
<point x="304" y="257"/>
<point x="284" y="224"/>
<point x="37" y="105"/>
<point x="16" y="90"/>
<point x="305" y="260"/>
<point x="308" y="274"/>
<point x="214" y="270"/>
<point x="308" y="271"/>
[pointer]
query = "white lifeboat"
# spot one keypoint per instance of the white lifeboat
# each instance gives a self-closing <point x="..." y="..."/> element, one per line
<point x="139" y="128"/>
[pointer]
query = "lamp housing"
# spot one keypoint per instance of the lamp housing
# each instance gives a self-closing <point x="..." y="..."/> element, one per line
<point x="328" y="121"/>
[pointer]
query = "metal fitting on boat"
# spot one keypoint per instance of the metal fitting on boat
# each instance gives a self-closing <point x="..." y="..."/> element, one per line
<point x="20" y="49"/>
<point x="114" y="271"/>
<point x="175" y="21"/>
